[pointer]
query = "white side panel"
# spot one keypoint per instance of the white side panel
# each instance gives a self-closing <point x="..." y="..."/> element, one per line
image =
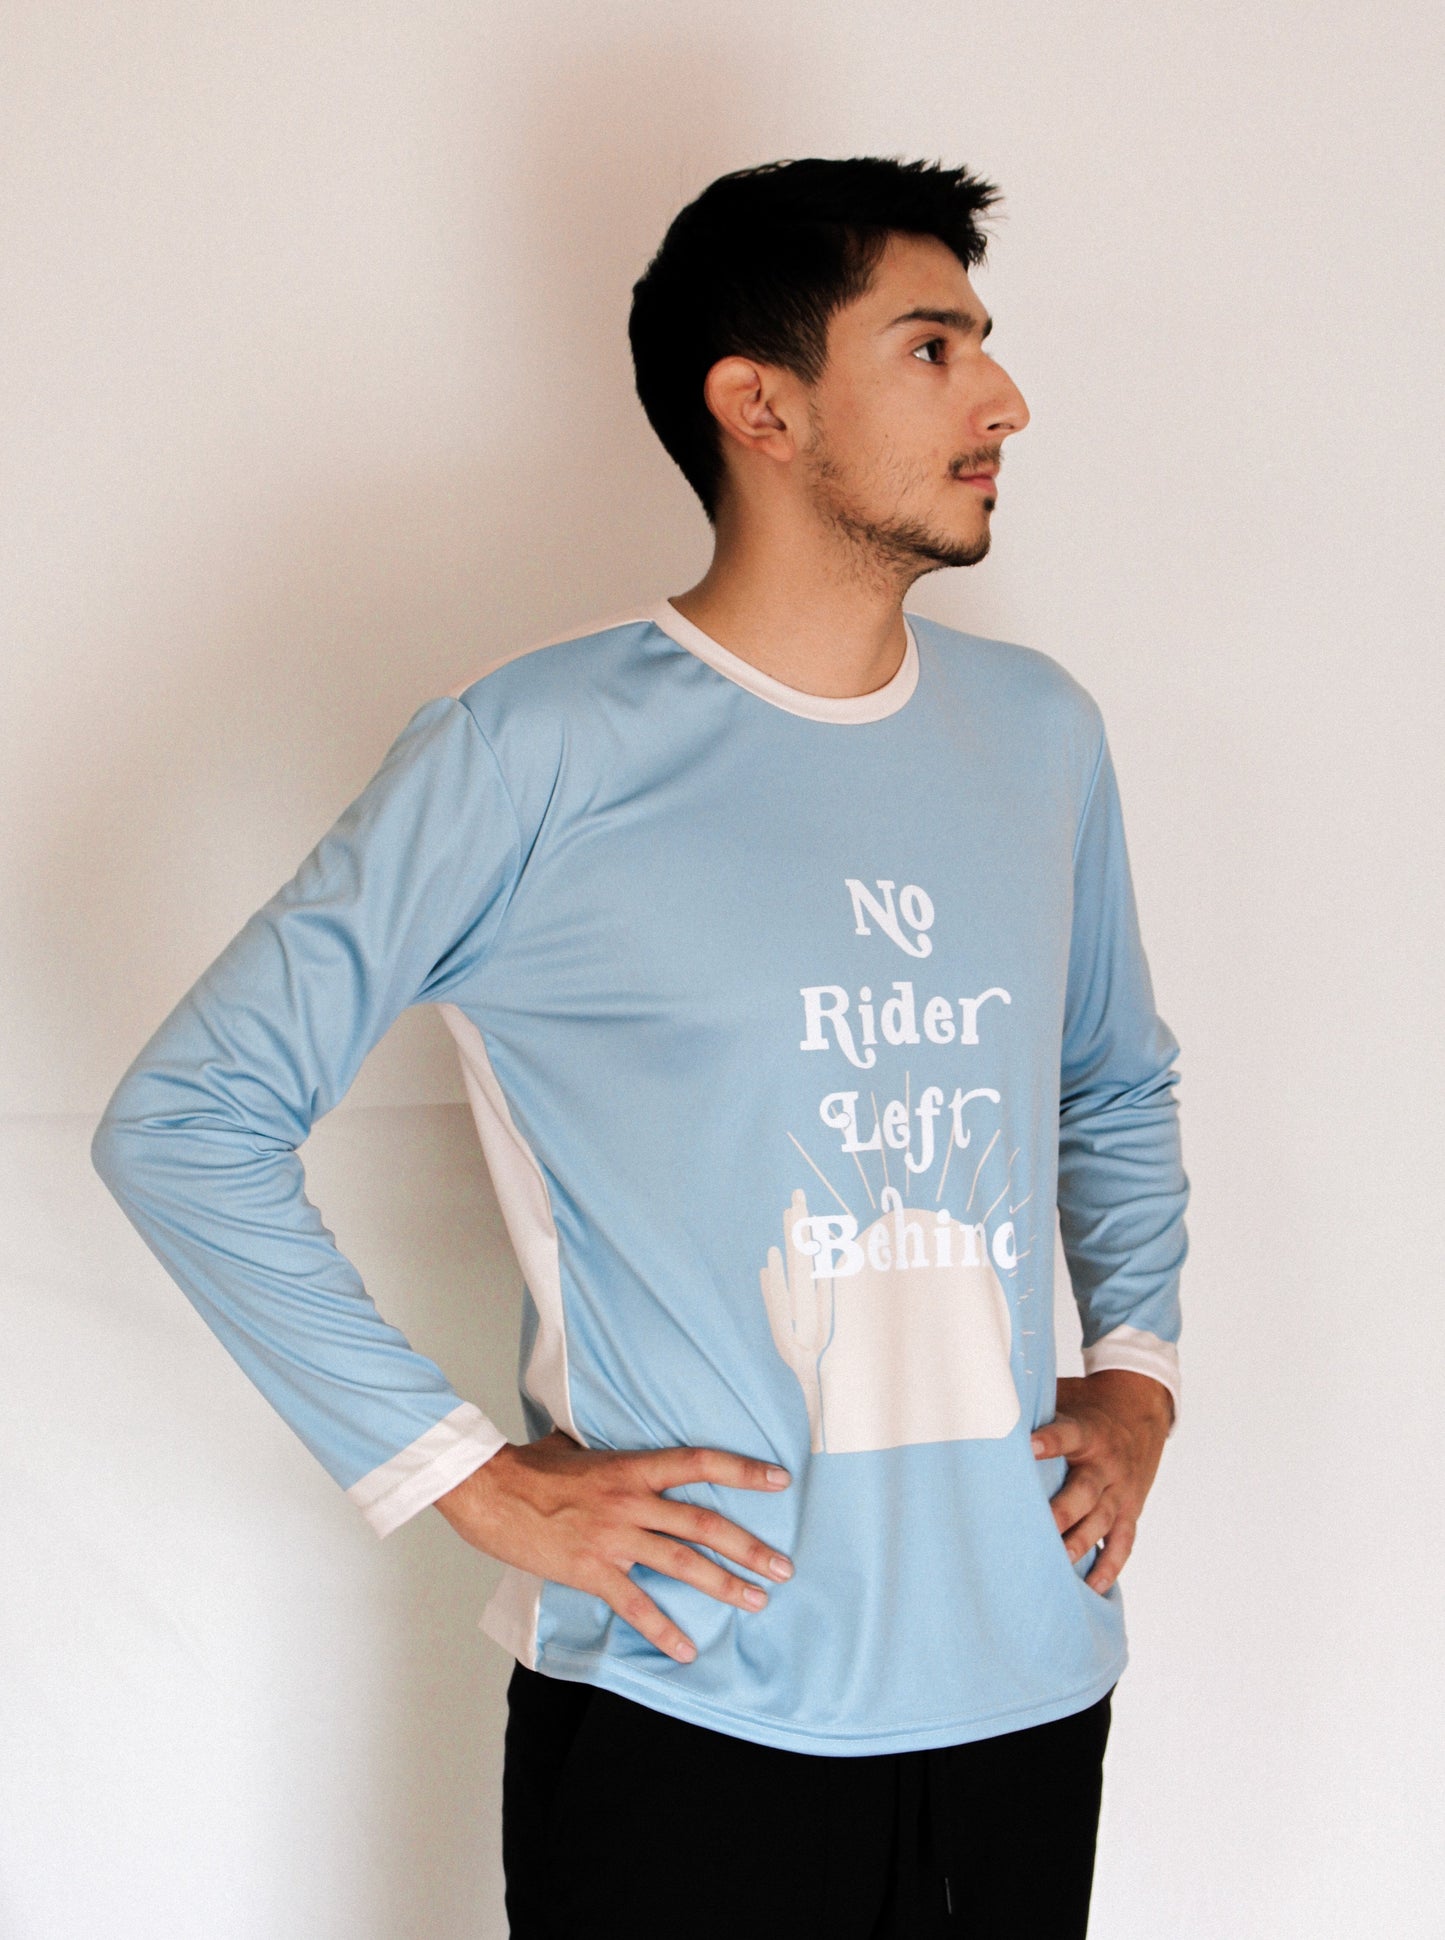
<point x="510" y="1616"/>
<point x="522" y="1195"/>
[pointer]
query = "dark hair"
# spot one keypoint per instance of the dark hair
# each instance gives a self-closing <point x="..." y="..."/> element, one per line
<point x="757" y="265"/>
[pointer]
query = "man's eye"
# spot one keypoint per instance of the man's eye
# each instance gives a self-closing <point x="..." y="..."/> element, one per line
<point x="934" y="343"/>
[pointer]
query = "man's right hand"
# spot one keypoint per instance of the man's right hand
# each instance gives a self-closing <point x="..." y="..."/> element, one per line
<point x="584" y="1516"/>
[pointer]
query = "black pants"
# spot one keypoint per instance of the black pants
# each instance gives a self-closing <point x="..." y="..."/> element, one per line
<point x="618" y="1820"/>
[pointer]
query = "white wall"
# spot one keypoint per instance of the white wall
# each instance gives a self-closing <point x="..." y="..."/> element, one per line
<point x="316" y="399"/>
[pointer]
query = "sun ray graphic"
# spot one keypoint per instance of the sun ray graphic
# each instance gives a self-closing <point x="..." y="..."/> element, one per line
<point x="978" y="1168"/>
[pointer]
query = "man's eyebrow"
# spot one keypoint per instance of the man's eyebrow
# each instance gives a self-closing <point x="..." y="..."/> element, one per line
<point x="963" y="321"/>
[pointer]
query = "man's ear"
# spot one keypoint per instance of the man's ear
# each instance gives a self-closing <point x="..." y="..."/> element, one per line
<point x="749" y="402"/>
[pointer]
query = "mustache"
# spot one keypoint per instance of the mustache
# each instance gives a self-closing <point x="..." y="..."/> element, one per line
<point x="977" y="461"/>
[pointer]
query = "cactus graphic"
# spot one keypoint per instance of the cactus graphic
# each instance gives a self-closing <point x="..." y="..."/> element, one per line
<point x="800" y="1312"/>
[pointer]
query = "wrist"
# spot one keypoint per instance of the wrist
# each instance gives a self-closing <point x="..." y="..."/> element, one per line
<point x="1146" y="1398"/>
<point x="462" y="1504"/>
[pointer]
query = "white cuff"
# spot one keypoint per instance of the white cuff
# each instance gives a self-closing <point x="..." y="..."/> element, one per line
<point x="1140" y="1352"/>
<point x="416" y="1475"/>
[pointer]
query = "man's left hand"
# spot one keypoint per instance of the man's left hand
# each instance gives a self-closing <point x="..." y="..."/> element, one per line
<point x="1110" y="1428"/>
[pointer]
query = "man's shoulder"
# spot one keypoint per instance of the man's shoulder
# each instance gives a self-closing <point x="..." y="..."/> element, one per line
<point x="1010" y="675"/>
<point x="565" y="705"/>
<point x="552" y="669"/>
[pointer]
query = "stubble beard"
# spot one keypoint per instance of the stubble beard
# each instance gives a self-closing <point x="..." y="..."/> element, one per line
<point x="881" y="550"/>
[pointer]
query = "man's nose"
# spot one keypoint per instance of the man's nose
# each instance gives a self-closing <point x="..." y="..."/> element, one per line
<point x="1006" y="410"/>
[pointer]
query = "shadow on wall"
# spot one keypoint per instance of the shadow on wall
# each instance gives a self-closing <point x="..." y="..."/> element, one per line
<point x="328" y="622"/>
<point x="308" y="632"/>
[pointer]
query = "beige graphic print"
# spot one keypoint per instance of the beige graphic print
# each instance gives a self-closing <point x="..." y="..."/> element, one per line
<point x="899" y="1333"/>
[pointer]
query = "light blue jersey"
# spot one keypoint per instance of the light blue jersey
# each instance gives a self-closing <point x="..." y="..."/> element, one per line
<point x="785" y="1020"/>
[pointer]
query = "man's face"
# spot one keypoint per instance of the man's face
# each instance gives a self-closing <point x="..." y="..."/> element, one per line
<point x="908" y="406"/>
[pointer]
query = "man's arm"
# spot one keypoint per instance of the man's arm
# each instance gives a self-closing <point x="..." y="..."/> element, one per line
<point x="199" y="1141"/>
<point x="396" y="905"/>
<point x="1122" y="1197"/>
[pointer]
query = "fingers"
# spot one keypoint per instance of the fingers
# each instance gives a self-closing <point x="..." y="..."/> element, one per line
<point x="671" y="1468"/>
<point x="1118" y="1542"/>
<point x="636" y="1607"/>
<point x="1104" y="1523"/>
<point x="659" y="1517"/>
<point x="1076" y="1498"/>
<point x="679" y="1559"/>
<point x="1089" y="1529"/>
<point x="1061" y="1436"/>
<point x="705" y="1526"/>
<point x="689" y="1566"/>
<point x="1098" y="1502"/>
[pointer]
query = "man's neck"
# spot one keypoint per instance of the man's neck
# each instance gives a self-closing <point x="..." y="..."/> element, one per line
<point x="809" y="619"/>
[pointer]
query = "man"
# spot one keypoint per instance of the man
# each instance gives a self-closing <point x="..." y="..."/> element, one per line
<point x="791" y="956"/>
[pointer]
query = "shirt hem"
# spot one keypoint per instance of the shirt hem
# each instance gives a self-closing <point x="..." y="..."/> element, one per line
<point x="586" y="1667"/>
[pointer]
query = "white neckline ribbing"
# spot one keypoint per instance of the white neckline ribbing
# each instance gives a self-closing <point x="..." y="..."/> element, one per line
<point x="883" y="700"/>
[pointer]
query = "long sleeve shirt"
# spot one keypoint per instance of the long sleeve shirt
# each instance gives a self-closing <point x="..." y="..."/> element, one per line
<point x="786" y="1022"/>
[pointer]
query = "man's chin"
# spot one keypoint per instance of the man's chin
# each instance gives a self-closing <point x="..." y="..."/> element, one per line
<point x="946" y="551"/>
<point x="913" y="542"/>
<point x="938" y="545"/>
